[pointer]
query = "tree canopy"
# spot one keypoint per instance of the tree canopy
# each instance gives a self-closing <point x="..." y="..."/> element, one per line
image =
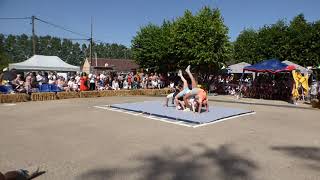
<point x="17" y="48"/>
<point x="200" y="40"/>
<point x="297" y="41"/>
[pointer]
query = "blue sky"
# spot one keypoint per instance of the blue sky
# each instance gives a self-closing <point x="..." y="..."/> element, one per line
<point x="117" y="21"/>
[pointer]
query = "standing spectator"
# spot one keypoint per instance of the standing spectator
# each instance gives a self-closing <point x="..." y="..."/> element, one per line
<point x="34" y="83"/>
<point x="92" y="82"/>
<point x="84" y="82"/>
<point x="129" y="77"/>
<point x="77" y="79"/>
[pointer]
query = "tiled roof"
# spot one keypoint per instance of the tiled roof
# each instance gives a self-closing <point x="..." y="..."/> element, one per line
<point x="117" y="64"/>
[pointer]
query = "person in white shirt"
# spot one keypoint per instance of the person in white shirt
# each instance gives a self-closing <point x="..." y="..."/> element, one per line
<point x="102" y="76"/>
<point x="39" y="78"/>
<point x="154" y="83"/>
<point x="115" y="85"/>
<point x="77" y="79"/>
<point x="73" y="86"/>
<point x="171" y="86"/>
<point x="125" y="84"/>
<point x="51" y="81"/>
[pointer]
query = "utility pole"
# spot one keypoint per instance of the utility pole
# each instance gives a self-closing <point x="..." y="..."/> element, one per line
<point x="91" y="42"/>
<point x="33" y="36"/>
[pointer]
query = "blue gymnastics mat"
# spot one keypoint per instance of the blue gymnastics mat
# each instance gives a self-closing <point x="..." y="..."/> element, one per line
<point x="156" y="108"/>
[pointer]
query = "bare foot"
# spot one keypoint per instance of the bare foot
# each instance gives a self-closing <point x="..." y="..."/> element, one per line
<point x="188" y="69"/>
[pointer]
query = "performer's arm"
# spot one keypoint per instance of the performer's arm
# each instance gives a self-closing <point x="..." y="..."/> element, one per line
<point x="200" y="105"/>
<point x="207" y="106"/>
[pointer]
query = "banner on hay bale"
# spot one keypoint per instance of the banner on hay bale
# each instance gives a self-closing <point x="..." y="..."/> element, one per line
<point x="67" y="95"/>
<point x="13" y="98"/>
<point x="43" y="96"/>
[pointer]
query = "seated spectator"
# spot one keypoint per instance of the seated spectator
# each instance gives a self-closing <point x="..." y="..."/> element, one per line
<point x="72" y="84"/>
<point x="100" y="84"/>
<point x="154" y="83"/>
<point x="39" y="78"/>
<point x="135" y="83"/>
<point x="115" y="84"/>
<point x="171" y="86"/>
<point x="108" y="87"/>
<point x="45" y="79"/>
<point x="27" y="84"/>
<point x="19" y="84"/>
<point x="125" y="84"/>
<point x="62" y="84"/>
<point x="51" y="80"/>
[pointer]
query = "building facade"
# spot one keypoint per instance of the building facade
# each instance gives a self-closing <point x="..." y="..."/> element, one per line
<point x="99" y="65"/>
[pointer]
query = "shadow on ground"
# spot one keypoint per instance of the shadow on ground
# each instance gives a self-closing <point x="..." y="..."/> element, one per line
<point x="182" y="164"/>
<point x="310" y="154"/>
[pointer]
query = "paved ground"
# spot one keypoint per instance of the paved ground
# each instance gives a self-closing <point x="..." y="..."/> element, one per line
<point x="72" y="140"/>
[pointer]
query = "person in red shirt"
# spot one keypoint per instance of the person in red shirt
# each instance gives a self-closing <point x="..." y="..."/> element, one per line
<point x="129" y="80"/>
<point x="84" y="82"/>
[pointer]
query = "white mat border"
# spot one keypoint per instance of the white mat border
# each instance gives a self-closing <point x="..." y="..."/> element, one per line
<point x="178" y="122"/>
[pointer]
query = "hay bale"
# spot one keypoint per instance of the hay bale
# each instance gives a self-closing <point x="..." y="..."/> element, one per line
<point x="47" y="96"/>
<point x="107" y="93"/>
<point x="154" y="92"/>
<point x="14" y="98"/>
<point x="68" y="95"/>
<point x="89" y="94"/>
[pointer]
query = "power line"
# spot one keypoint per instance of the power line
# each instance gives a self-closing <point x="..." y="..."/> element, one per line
<point x="63" y="28"/>
<point x="62" y="38"/>
<point x="14" y="18"/>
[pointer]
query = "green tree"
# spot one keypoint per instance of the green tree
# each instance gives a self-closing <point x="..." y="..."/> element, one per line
<point x="145" y="46"/>
<point x="300" y="40"/>
<point x="4" y="58"/>
<point x="200" y="40"/>
<point x="272" y="42"/>
<point x="245" y="47"/>
<point x="313" y="54"/>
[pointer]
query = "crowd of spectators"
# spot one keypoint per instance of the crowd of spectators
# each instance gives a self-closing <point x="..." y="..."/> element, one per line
<point x="269" y="86"/>
<point x="264" y="86"/>
<point x="32" y="81"/>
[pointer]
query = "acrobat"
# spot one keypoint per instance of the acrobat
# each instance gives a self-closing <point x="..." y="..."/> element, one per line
<point x="200" y="95"/>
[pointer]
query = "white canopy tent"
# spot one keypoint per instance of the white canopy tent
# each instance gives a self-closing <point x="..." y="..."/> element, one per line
<point x="44" y="63"/>
<point x="301" y="68"/>
<point x="238" y="68"/>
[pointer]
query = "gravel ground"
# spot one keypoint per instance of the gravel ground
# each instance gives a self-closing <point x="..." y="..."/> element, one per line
<point x="71" y="139"/>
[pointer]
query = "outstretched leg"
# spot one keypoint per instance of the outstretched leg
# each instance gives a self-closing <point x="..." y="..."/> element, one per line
<point x="194" y="86"/>
<point x="184" y="91"/>
<point x="193" y="81"/>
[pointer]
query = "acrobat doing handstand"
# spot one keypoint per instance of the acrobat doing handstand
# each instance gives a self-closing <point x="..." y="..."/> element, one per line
<point x="199" y="94"/>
